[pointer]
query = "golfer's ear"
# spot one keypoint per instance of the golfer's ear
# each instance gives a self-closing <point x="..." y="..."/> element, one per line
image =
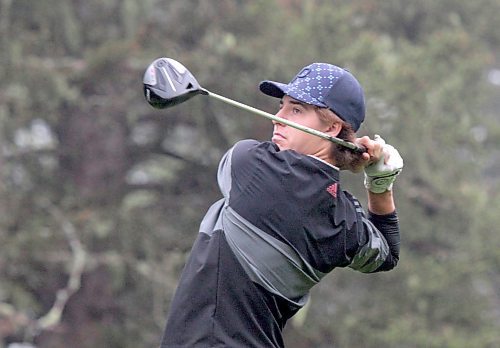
<point x="334" y="129"/>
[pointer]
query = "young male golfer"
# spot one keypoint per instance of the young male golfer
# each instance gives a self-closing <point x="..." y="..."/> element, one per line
<point x="285" y="221"/>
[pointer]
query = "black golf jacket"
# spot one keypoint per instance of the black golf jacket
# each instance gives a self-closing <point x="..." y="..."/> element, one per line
<point x="283" y="223"/>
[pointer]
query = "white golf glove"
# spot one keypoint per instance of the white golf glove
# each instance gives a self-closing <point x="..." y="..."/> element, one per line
<point x="380" y="176"/>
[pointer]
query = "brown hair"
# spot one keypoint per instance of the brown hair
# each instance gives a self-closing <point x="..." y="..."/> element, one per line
<point x="343" y="157"/>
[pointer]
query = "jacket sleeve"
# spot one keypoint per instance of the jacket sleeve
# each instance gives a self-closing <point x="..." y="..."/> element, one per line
<point x="388" y="225"/>
<point x="379" y="241"/>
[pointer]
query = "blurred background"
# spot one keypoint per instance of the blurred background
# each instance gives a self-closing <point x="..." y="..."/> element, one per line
<point x="101" y="195"/>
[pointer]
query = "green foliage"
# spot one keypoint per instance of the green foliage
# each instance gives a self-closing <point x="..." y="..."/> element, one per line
<point x="82" y="152"/>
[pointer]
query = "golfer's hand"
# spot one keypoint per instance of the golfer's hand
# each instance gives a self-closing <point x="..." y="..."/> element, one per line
<point x="371" y="155"/>
<point x="373" y="149"/>
<point x="383" y="164"/>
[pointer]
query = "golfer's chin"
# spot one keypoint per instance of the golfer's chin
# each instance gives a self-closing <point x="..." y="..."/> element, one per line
<point x="280" y="143"/>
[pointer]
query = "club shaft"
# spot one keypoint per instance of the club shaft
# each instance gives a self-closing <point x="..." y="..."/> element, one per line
<point x="295" y="125"/>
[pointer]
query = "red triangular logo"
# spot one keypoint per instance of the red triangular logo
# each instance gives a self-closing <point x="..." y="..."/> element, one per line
<point x="332" y="189"/>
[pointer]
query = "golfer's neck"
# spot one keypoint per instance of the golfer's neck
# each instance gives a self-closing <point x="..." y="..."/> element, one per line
<point x="324" y="155"/>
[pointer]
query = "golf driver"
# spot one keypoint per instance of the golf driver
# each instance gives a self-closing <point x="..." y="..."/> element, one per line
<point x="167" y="83"/>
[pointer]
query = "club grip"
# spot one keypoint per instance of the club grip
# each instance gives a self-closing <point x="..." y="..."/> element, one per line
<point x="359" y="149"/>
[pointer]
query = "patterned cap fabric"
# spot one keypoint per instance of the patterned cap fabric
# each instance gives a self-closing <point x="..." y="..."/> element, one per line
<point x="324" y="85"/>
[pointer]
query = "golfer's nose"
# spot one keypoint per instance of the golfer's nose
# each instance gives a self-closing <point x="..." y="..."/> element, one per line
<point x="280" y="114"/>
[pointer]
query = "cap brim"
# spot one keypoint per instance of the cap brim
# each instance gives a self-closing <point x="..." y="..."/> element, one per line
<point x="272" y="88"/>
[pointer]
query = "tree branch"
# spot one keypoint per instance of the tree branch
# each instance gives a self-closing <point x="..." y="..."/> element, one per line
<point x="53" y="316"/>
<point x="15" y="319"/>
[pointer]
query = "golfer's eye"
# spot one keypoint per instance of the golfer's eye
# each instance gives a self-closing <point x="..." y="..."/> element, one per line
<point x="296" y="110"/>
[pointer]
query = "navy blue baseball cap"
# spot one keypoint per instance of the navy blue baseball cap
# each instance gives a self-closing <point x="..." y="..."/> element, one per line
<point x="324" y="85"/>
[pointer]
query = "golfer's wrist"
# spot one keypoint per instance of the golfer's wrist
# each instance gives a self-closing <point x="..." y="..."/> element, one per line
<point x="381" y="203"/>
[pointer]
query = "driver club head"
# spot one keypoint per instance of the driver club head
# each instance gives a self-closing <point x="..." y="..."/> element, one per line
<point x="167" y="83"/>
